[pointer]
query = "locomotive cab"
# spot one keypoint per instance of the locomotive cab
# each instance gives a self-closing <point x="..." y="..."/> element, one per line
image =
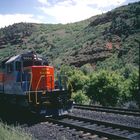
<point x="33" y="85"/>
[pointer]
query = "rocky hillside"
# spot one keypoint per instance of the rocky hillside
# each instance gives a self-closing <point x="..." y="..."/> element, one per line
<point x="103" y="40"/>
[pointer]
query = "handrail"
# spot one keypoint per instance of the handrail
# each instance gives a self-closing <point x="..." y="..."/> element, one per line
<point x="3" y="78"/>
<point x="2" y="82"/>
<point x="27" y="82"/>
<point x="37" y="88"/>
<point x="30" y="89"/>
<point x="68" y="83"/>
<point x="65" y="82"/>
<point x="51" y="82"/>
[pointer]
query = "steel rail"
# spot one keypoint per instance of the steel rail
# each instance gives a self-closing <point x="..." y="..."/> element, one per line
<point x="109" y="110"/>
<point x="101" y="128"/>
<point x="114" y="108"/>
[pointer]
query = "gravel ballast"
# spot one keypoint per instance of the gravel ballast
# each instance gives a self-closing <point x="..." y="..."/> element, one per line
<point x="110" y="117"/>
<point x="43" y="130"/>
<point x="49" y="131"/>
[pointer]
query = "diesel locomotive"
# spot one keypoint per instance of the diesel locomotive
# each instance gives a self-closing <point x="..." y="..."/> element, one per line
<point x="27" y="80"/>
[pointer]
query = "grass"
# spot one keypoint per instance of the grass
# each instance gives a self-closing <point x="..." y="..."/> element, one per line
<point x="13" y="133"/>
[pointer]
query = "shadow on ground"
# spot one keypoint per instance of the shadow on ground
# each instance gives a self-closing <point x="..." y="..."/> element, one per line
<point x="16" y="115"/>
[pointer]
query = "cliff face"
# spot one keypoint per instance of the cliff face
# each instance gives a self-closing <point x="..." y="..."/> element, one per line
<point x="90" y="41"/>
<point x="115" y="33"/>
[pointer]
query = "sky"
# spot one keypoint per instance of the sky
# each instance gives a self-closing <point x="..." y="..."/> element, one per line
<point x="54" y="11"/>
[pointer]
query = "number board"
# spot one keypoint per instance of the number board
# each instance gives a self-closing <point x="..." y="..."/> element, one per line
<point x="27" y="58"/>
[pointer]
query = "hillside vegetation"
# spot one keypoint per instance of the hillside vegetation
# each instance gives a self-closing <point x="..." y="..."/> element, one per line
<point x="99" y="41"/>
<point x="104" y="87"/>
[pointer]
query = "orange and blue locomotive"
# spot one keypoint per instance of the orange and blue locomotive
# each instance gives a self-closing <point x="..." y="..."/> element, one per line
<point x="29" y="81"/>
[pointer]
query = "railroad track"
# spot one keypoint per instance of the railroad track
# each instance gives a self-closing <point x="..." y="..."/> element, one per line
<point x="100" y="128"/>
<point x="109" y="109"/>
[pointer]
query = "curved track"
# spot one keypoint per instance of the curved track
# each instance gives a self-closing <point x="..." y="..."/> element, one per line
<point x="109" y="109"/>
<point x="100" y="128"/>
<point x="90" y="128"/>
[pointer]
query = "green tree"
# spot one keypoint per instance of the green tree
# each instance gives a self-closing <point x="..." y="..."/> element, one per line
<point x="87" y="69"/>
<point x="127" y="70"/>
<point x="134" y="87"/>
<point x="76" y="77"/>
<point x="80" y="97"/>
<point x="125" y="95"/>
<point x="66" y="70"/>
<point x="105" y="87"/>
<point x="78" y="80"/>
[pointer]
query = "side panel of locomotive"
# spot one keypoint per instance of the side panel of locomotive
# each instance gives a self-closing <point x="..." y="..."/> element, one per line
<point x="11" y="84"/>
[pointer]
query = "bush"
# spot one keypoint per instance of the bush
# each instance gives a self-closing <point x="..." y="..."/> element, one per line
<point x="127" y="70"/>
<point x="66" y="70"/>
<point x="87" y="69"/>
<point x="79" y="97"/>
<point x="125" y="95"/>
<point x="76" y="77"/>
<point x="78" y="80"/>
<point x="134" y="87"/>
<point x="130" y="87"/>
<point x="105" y="87"/>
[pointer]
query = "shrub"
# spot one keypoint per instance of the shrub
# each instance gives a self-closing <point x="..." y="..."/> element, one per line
<point x="125" y="95"/>
<point x="127" y="70"/>
<point x="105" y="87"/>
<point x="78" y="80"/>
<point x="76" y="77"/>
<point x="66" y="70"/>
<point x="87" y="69"/>
<point x="79" y="97"/>
<point x="134" y="87"/>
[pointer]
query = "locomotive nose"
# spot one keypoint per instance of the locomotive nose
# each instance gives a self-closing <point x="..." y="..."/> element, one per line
<point x="42" y="78"/>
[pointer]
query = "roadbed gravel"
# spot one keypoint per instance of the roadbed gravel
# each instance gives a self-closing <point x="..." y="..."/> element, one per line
<point x="110" y="117"/>
<point x="43" y="130"/>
